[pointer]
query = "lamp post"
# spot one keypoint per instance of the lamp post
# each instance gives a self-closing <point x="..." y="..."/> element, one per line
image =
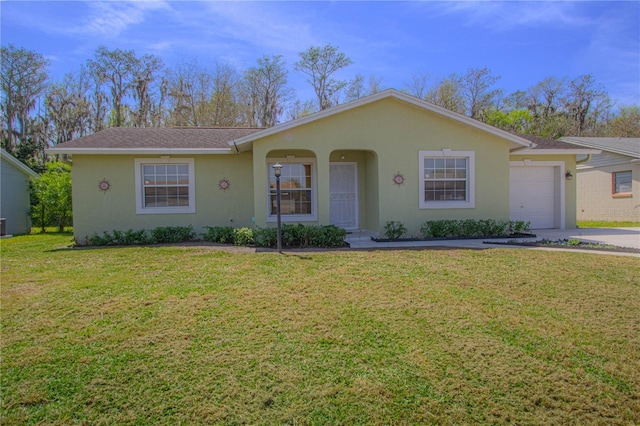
<point x="277" y="171"/>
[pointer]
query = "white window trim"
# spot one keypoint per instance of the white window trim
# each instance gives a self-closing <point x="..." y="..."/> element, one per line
<point x="470" y="202"/>
<point x="140" y="209"/>
<point x="313" y="217"/>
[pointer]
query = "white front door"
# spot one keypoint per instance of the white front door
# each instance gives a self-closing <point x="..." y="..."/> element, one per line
<point x="343" y="195"/>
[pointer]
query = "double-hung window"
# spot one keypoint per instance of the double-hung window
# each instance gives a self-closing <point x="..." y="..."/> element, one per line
<point x="297" y="191"/>
<point x="447" y="179"/>
<point x="165" y="185"/>
<point x="621" y="183"/>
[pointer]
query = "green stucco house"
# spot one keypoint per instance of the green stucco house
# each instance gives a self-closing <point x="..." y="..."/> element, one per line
<point x="14" y="194"/>
<point x="385" y="157"/>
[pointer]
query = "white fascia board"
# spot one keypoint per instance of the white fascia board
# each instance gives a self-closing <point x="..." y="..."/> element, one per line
<point x="139" y="151"/>
<point x="576" y="151"/>
<point x="389" y="93"/>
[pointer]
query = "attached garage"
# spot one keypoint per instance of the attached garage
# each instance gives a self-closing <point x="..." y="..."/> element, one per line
<point x="536" y="193"/>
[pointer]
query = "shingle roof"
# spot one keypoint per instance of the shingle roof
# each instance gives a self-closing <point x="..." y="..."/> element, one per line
<point x="625" y="146"/>
<point x="159" y="138"/>
<point x="544" y="143"/>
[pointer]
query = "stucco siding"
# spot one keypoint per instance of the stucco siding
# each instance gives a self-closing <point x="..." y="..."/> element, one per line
<point x="14" y="202"/>
<point x="595" y="198"/>
<point x="391" y="133"/>
<point x="96" y="211"/>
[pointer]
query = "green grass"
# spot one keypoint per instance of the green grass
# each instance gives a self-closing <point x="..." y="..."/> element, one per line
<point x="606" y="224"/>
<point x="198" y="335"/>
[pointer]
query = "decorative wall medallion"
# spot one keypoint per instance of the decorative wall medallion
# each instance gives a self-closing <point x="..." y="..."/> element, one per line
<point x="224" y="184"/>
<point x="104" y="185"/>
<point x="398" y="179"/>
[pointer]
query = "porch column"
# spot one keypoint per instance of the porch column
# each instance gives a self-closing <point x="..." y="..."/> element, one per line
<point x="324" y="214"/>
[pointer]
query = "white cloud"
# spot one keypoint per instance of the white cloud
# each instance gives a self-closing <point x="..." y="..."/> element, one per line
<point x="111" y="18"/>
<point x="506" y="15"/>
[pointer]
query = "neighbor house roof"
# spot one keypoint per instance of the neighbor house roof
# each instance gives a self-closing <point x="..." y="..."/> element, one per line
<point x="624" y="146"/>
<point x="18" y="164"/>
<point x="155" y="140"/>
<point x="246" y="143"/>
<point x="552" y="146"/>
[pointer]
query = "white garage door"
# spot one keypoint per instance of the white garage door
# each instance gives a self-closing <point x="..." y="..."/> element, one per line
<point x="532" y="195"/>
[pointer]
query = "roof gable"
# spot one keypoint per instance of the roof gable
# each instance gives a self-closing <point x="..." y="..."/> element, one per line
<point x="18" y="164"/>
<point x="246" y="143"/>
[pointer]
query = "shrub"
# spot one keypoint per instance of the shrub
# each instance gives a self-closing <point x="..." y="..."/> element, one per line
<point x="243" y="236"/>
<point x="394" y="230"/>
<point x="301" y="236"/>
<point x="471" y="228"/>
<point x="219" y="234"/>
<point x="172" y="234"/>
<point x="519" y="227"/>
<point x="266" y="237"/>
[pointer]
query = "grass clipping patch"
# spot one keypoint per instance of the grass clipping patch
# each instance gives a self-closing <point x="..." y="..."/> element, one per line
<point x="172" y="335"/>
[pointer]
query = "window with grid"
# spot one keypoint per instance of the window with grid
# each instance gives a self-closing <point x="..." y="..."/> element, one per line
<point x="165" y="187"/>
<point x="447" y="179"/>
<point x="296" y="190"/>
<point x="622" y="182"/>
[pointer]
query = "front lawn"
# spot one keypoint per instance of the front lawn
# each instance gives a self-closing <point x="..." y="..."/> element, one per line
<point x="196" y="335"/>
<point x="607" y="224"/>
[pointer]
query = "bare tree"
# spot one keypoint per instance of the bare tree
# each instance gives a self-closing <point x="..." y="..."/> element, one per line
<point x="320" y="64"/>
<point x="478" y="91"/>
<point x="68" y="108"/>
<point x="447" y="93"/>
<point x="144" y="73"/>
<point x="418" y="85"/>
<point x="265" y="92"/>
<point x="224" y="109"/>
<point x="115" y="69"/>
<point x="23" y="81"/>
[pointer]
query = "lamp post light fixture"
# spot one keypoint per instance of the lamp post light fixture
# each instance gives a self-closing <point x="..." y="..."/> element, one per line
<point x="277" y="171"/>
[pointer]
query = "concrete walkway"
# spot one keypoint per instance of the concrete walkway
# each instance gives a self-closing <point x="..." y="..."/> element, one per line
<point x="620" y="237"/>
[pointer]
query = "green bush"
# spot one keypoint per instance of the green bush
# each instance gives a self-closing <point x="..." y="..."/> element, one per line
<point x="301" y="236"/>
<point x="243" y="236"/>
<point x="166" y="234"/>
<point x="219" y="234"/>
<point x="472" y="228"/>
<point x="519" y="227"/>
<point x="172" y="234"/>
<point x="394" y="230"/>
<point x="266" y="237"/>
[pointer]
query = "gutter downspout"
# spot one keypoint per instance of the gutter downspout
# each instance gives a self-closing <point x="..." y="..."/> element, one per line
<point x="584" y="160"/>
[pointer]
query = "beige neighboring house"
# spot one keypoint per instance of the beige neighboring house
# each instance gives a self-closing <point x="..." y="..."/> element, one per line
<point x="385" y="157"/>
<point x="15" y="204"/>
<point x="608" y="184"/>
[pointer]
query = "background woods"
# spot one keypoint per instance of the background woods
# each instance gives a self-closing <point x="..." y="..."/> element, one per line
<point x="121" y="88"/>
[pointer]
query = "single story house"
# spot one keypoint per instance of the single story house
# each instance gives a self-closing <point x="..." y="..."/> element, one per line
<point x="385" y="157"/>
<point x="15" y="204"/>
<point x="608" y="183"/>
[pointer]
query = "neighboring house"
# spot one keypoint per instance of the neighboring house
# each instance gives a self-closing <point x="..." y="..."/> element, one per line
<point x="14" y="194"/>
<point x="608" y="183"/>
<point x="385" y="157"/>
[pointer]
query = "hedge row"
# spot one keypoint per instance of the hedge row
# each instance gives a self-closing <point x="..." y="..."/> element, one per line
<point x="292" y="236"/>
<point x="473" y="228"/>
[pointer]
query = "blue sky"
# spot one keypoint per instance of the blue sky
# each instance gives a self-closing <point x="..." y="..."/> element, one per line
<point x="523" y="42"/>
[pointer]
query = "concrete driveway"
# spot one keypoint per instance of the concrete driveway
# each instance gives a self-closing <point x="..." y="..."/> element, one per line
<point x="621" y="237"/>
